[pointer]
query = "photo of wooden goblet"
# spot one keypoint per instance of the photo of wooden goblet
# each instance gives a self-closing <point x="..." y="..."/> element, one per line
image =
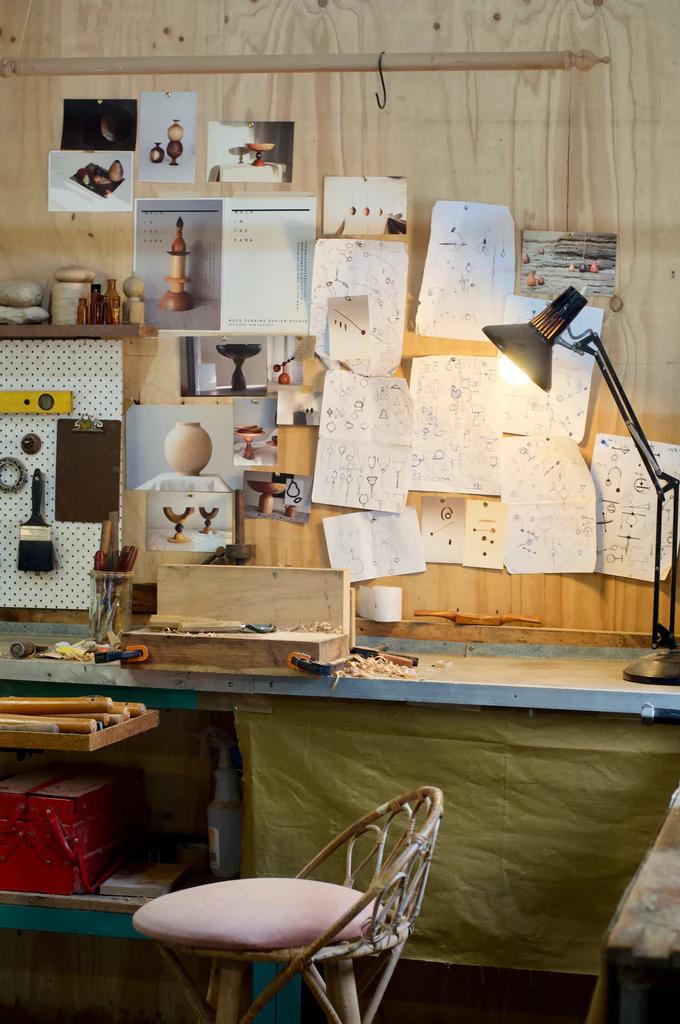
<point x="207" y="516"/>
<point x="178" y="518"/>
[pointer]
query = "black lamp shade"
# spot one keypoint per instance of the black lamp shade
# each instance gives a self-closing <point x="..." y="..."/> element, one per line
<point x="529" y="346"/>
<point x="526" y="348"/>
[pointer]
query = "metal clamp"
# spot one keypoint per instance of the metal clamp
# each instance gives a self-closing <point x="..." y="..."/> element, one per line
<point x="651" y="715"/>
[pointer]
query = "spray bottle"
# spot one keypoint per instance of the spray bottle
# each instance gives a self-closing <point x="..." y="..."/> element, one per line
<point x="225" y="811"/>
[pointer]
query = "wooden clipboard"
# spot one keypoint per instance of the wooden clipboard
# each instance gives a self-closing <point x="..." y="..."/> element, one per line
<point x="88" y="472"/>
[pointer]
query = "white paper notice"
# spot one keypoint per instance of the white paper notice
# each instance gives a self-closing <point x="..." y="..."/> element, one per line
<point x="344" y="266"/>
<point x="484" y="537"/>
<point x="551" y="506"/>
<point x="266" y="264"/>
<point x="626" y="507"/>
<point x="349" y="326"/>
<point x="442" y="528"/>
<point x="457" y="424"/>
<point x="374" y="544"/>
<point x="564" y="409"/>
<point x="364" y="453"/>
<point x="469" y="270"/>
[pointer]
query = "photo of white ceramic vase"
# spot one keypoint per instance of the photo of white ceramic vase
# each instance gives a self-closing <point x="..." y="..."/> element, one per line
<point x="188" y="448"/>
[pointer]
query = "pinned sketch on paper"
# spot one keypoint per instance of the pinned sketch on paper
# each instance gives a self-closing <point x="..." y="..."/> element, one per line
<point x="469" y="270"/>
<point x="484" y="534"/>
<point x="626" y="508"/>
<point x="554" y="260"/>
<point x="551" y="506"/>
<point x="374" y="544"/>
<point x="442" y="528"/>
<point x="457" y="424"/>
<point x="363" y="458"/>
<point x="378" y="270"/>
<point x="564" y="409"/>
<point x="349" y="326"/>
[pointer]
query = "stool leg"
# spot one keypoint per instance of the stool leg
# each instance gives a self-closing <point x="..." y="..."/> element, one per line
<point x="342" y="990"/>
<point x="214" y="984"/>
<point x="229" y="998"/>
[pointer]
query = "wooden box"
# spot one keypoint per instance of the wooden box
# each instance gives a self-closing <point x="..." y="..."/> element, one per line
<point x="209" y="596"/>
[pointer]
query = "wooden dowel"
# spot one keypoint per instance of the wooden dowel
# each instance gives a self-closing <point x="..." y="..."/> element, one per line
<point x="133" y="708"/>
<point x="55" y="705"/>
<point x="70" y="725"/>
<point x="32" y="725"/>
<point x="262" y="64"/>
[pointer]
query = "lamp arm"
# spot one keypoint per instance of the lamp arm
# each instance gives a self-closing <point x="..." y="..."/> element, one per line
<point x="590" y="343"/>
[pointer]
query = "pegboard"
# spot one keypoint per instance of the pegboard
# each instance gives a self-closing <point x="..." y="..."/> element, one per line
<point x="92" y="370"/>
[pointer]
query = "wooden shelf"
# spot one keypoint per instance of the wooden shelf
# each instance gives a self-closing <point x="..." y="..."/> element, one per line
<point x="77" y="742"/>
<point x="48" y="332"/>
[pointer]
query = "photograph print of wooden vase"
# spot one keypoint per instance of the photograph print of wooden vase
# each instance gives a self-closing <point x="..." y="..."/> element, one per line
<point x="188" y="448"/>
<point x="175" y="147"/>
<point x="176" y="299"/>
<point x="157" y="154"/>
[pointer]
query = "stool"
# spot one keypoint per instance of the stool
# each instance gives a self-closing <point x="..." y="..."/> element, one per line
<point x="307" y="924"/>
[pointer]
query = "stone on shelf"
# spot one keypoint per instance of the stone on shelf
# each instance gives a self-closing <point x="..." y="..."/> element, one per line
<point x="20" y="294"/>
<point x="25" y="315"/>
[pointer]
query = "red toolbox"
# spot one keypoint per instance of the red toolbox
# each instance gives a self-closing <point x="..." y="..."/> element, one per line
<point x="65" y="828"/>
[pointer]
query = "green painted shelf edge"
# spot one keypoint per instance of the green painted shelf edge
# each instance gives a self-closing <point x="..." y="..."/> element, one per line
<point x="180" y="700"/>
<point x="70" y="922"/>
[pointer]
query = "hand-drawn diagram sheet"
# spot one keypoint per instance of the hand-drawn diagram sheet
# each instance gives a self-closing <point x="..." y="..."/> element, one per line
<point x="364" y="453"/>
<point x="469" y="270"/>
<point x="375" y="544"/>
<point x="551" y="506"/>
<point x="344" y="266"/>
<point x="564" y="409"/>
<point x="626" y="507"/>
<point x="442" y="527"/>
<point x="457" y="424"/>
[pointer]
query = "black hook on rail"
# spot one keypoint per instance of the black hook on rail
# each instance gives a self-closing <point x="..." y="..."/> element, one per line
<point x="382" y="104"/>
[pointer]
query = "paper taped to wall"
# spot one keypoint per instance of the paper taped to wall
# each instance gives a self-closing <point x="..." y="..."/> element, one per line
<point x="377" y="269"/>
<point x="484" y="533"/>
<point x="469" y="270"/>
<point x="364" y="453"/>
<point x="563" y="410"/>
<point x="551" y="506"/>
<point x="442" y="528"/>
<point x="626" y="507"/>
<point x="375" y="544"/>
<point x="457" y="424"/>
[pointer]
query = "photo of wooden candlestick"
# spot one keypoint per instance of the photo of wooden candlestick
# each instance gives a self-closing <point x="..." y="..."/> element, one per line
<point x="207" y="514"/>
<point x="176" y="299"/>
<point x="178" y="519"/>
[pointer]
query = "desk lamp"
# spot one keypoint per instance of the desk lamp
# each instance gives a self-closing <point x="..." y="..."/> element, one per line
<point x="530" y="347"/>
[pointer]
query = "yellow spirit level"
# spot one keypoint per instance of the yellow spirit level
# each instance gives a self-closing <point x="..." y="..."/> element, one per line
<point x="36" y="401"/>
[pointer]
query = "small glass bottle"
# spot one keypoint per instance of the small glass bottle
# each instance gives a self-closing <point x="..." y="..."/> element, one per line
<point x="111" y="303"/>
<point x="83" y="311"/>
<point x="95" y="304"/>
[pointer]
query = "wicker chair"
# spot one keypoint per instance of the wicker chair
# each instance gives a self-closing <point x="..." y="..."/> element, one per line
<point x="387" y="852"/>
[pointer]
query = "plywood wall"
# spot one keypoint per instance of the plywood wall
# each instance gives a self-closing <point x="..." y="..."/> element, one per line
<point x="579" y="151"/>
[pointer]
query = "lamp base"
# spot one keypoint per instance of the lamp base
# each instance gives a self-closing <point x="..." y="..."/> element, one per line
<point x="661" y="668"/>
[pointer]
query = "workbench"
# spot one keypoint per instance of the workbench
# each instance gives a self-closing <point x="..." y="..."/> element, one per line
<point x="539" y="758"/>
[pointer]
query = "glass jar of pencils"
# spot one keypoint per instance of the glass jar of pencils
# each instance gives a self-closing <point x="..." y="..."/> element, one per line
<point x="110" y="604"/>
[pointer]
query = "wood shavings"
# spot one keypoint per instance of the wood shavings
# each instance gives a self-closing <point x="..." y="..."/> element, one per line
<point x="316" y="627"/>
<point x="375" y="668"/>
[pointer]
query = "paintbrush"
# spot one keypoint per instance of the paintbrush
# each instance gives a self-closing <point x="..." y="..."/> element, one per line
<point x="36" y="552"/>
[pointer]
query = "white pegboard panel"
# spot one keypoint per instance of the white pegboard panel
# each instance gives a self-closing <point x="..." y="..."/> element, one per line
<point x="93" y="371"/>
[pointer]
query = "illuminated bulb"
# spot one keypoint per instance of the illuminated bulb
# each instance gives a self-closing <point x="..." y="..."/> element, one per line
<point x="511" y="373"/>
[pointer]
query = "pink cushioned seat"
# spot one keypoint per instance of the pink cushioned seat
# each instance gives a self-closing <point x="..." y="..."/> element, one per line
<point x="251" y="914"/>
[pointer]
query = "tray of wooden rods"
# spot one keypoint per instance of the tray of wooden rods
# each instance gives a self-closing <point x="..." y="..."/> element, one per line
<point x="70" y="723"/>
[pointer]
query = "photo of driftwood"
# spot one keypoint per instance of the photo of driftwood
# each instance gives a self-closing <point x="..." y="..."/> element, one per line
<point x="553" y="260"/>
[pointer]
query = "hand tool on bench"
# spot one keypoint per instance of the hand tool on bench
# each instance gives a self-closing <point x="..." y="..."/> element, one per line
<point x="132" y="654"/>
<point x="303" y="663"/>
<point x="468" y="619"/>
<point x="26" y="648"/>
<point x="160" y="623"/>
<point x="409" y="660"/>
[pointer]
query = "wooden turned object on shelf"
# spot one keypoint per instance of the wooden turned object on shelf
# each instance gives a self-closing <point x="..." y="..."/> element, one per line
<point x="267" y="490"/>
<point x="176" y="299"/>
